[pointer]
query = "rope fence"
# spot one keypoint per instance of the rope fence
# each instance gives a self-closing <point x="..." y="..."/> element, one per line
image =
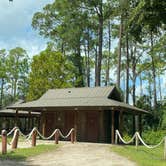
<point x="138" y="138"/>
<point x="31" y="137"/>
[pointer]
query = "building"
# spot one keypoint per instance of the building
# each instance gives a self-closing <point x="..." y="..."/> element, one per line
<point x="25" y="120"/>
<point x="95" y="113"/>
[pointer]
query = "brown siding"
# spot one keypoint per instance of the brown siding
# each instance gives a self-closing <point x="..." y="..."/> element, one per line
<point x="90" y="124"/>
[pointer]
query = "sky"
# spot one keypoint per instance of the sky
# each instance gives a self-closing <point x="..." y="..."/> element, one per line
<point x="16" y="29"/>
<point x="15" y="25"/>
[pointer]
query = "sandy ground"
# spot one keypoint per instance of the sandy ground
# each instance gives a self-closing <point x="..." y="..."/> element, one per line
<point x="78" y="154"/>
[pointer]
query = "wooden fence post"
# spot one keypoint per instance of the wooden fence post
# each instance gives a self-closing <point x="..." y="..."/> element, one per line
<point x="4" y="142"/>
<point x="72" y="136"/>
<point x="56" y="137"/>
<point x="165" y="148"/>
<point x="34" y="134"/>
<point x="15" y="139"/>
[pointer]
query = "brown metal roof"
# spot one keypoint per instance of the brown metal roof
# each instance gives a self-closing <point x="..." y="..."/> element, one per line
<point x="77" y="98"/>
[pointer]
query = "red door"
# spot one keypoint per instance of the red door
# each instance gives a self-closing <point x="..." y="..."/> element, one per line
<point x="92" y="125"/>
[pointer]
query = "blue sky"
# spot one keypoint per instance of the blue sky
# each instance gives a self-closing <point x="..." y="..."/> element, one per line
<point x="16" y="30"/>
<point x="15" y="25"/>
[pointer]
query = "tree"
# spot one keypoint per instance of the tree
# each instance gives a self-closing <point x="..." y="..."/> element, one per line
<point x="16" y="69"/>
<point x="2" y="73"/>
<point x="49" y="70"/>
<point x="67" y="22"/>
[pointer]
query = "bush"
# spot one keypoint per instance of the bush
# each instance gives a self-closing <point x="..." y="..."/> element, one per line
<point x="153" y="137"/>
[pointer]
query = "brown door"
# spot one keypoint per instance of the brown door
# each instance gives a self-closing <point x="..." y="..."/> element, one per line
<point x="50" y="123"/>
<point x="69" y="121"/>
<point x="92" y="125"/>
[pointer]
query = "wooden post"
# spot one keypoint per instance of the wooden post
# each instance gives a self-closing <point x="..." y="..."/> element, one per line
<point x="15" y="141"/>
<point x="4" y="142"/>
<point x="29" y="120"/>
<point x="16" y="118"/>
<point x="140" y="125"/>
<point x="73" y="136"/>
<point x="34" y="134"/>
<point x="165" y="148"/>
<point x="121" y="123"/>
<point x="43" y="123"/>
<point x="137" y="123"/>
<point x="133" y="124"/>
<point x="112" y="128"/>
<point x="56" y="137"/>
<point x="75" y="125"/>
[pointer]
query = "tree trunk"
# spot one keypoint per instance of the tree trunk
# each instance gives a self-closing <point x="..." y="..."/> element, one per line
<point x="98" y="79"/>
<point x="2" y="84"/>
<point x="153" y="74"/>
<point x="141" y="88"/>
<point x="96" y="67"/>
<point x="160" y="91"/>
<point x="109" y="55"/>
<point x="150" y="90"/>
<point x="88" y="62"/>
<point x="119" y="53"/>
<point x="15" y="89"/>
<point x="127" y="69"/>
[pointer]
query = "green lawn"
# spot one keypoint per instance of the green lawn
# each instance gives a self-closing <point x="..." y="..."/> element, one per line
<point x="23" y="153"/>
<point x="142" y="156"/>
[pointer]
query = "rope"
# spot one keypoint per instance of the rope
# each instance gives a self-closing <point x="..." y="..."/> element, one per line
<point x="14" y="136"/>
<point x="148" y="146"/>
<point x="67" y="134"/>
<point x="30" y="134"/>
<point x="14" y="128"/>
<point x="139" y="137"/>
<point x="125" y="142"/>
<point x="47" y="138"/>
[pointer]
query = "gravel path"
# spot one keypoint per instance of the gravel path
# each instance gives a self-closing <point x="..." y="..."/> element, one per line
<point x="78" y="154"/>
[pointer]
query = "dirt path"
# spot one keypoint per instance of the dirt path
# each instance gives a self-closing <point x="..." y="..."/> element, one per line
<point x="79" y="154"/>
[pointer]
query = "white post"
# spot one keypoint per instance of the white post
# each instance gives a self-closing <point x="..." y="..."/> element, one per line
<point x="136" y="141"/>
<point x="165" y="148"/>
<point x="116" y="137"/>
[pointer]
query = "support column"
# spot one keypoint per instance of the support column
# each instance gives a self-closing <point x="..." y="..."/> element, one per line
<point x="43" y="123"/>
<point x="140" y="124"/>
<point x="133" y="125"/>
<point x="121" y="122"/>
<point x="75" y="124"/>
<point x="101" y="127"/>
<point x="112" y="127"/>
<point x="16" y="118"/>
<point x="29" y="120"/>
<point x="137" y="122"/>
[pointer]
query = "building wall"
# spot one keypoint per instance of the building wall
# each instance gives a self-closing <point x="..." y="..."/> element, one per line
<point x="92" y="126"/>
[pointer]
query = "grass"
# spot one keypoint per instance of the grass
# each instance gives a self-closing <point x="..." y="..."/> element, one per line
<point x="142" y="156"/>
<point x="24" y="153"/>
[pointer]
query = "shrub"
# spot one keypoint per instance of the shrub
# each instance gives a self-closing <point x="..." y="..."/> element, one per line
<point x="153" y="137"/>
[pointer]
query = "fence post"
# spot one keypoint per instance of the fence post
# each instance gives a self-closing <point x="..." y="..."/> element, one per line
<point x="56" y="136"/>
<point x="136" y="141"/>
<point x="72" y="136"/>
<point x="116" y="137"/>
<point x="4" y="142"/>
<point x="15" y="139"/>
<point x="34" y="134"/>
<point x="165" y="148"/>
